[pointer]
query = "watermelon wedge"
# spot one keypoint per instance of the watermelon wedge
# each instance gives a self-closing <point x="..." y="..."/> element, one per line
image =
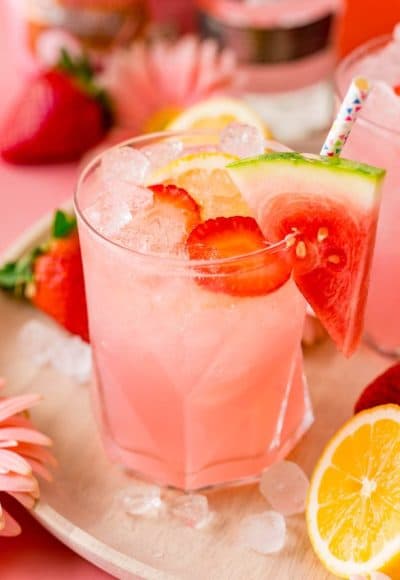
<point x="332" y="205"/>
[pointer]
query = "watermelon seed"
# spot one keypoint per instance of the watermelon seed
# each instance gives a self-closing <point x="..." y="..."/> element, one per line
<point x="301" y="250"/>
<point x="322" y="234"/>
<point x="334" y="259"/>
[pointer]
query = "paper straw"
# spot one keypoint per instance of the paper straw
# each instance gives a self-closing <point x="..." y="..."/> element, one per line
<point x="346" y="117"/>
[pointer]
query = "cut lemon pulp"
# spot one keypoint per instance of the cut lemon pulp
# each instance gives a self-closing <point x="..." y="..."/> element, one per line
<point x="353" y="510"/>
<point x="216" y="113"/>
<point x="204" y="177"/>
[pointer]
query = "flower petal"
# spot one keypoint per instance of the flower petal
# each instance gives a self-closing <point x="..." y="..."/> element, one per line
<point x="28" y="450"/>
<point x="13" y="405"/>
<point x="25" y="499"/>
<point x="24" y="434"/>
<point x="12" y="482"/>
<point x="40" y="469"/>
<point x="11" y="461"/>
<point x="10" y="526"/>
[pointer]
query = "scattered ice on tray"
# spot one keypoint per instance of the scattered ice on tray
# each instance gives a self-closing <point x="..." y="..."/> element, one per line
<point x="242" y="140"/>
<point x="123" y="166"/>
<point x="264" y="533"/>
<point x="285" y="485"/>
<point x="37" y="341"/>
<point x="45" y="345"/>
<point x="72" y="356"/>
<point x="191" y="509"/>
<point x="141" y="499"/>
<point x="163" y="152"/>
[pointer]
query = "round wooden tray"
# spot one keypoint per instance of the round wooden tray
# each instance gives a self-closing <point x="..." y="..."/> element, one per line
<point x="80" y="506"/>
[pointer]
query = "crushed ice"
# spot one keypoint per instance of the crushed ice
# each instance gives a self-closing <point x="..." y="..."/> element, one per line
<point x="242" y="140"/>
<point x="141" y="499"/>
<point x="191" y="509"/>
<point x="122" y="167"/>
<point x="67" y="353"/>
<point x="285" y="485"/>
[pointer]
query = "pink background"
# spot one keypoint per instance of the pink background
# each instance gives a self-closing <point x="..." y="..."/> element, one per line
<point x="25" y="194"/>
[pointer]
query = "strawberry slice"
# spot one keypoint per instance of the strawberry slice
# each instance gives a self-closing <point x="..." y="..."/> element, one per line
<point x="255" y="272"/>
<point x="178" y="198"/>
<point x="383" y="390"/>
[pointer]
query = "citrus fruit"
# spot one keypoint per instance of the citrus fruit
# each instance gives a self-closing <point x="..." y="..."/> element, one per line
<point x="353" y="507"/>
<point x="331" y="204"/>
<point x="216" y="113"/>
<point x="204" y="177"/>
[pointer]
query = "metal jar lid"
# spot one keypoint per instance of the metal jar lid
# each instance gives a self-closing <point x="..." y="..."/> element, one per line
<point x="269" y="45"/>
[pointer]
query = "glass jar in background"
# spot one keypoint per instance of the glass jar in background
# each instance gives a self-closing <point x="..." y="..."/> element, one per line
<point x="97" y="24"/>
<point x="286" y="53"/>
<point x="375" y="139"/>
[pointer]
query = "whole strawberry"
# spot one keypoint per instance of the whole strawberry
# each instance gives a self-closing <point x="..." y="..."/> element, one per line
<point x="383" y="390"/>
<point x="59" y="116"/>
<point x="51" y="277"/>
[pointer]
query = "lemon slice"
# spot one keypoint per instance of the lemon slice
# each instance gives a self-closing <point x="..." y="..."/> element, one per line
<point x="353" y="510"/>
<point x="204" y="177"/>
<point x="216" y="113"/>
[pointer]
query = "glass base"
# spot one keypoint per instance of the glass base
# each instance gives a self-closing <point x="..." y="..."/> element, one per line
<point x="296" y="418"/>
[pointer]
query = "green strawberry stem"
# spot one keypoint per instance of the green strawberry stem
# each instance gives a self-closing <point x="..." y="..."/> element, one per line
<point x="81" y="69"/>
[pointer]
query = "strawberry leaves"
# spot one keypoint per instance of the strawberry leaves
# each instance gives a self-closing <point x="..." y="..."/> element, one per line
<point x="63" y="224"/>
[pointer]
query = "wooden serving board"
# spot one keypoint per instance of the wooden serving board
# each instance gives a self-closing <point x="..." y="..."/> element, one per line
<point x="80" y="506"/>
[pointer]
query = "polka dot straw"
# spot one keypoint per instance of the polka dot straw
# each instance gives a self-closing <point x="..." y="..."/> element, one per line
<point x="346" y="117"/>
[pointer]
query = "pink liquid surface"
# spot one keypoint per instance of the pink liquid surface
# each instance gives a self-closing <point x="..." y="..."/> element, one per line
<point x="194" y="387"/>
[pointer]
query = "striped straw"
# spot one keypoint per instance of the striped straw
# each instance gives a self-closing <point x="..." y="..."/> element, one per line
<point x="346" y="117"/>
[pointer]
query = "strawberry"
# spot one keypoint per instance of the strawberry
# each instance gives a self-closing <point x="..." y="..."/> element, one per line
<point x="180" y="199"/>
<point x="260" y="272"/>
<point x="51" y="277"/>
<point x="59" y="116"/>
<point x="384" y="389"/>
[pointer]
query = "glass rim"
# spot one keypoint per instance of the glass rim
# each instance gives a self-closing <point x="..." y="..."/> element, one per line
<point x="353" y="57"/>
<point x="183" y="261"/>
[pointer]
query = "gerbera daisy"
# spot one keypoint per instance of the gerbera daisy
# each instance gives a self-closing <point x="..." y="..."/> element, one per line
<point x="22" y="455"/>
<point x="151" y="83"/>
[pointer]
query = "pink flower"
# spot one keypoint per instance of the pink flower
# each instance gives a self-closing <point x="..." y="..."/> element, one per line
<point x="22" y="454"/>
<point x="153" y="81"/>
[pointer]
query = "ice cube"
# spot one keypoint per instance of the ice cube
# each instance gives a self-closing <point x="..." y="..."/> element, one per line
<point x="285" y="486"/>
<point x="108" y="215"/>
<point x="139" y="198"/>
<point x="159" y="230"/>
<point x="379" y="576"/>
<point x="73" y="357"/>
<point x="37" y="341"/>
<point x="242" y="140"/>
<point x="162" y="153"/>
<point x="141" y="499"/>
<point x="264" y="533"/>
<point x="122" y="167"/>
<point x="191" y="509"/>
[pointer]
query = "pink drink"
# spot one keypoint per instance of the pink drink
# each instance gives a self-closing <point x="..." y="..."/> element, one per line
<point x="375" y="139"/>
<point x="194" y="387"/>
<point x="286" y="56"/>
